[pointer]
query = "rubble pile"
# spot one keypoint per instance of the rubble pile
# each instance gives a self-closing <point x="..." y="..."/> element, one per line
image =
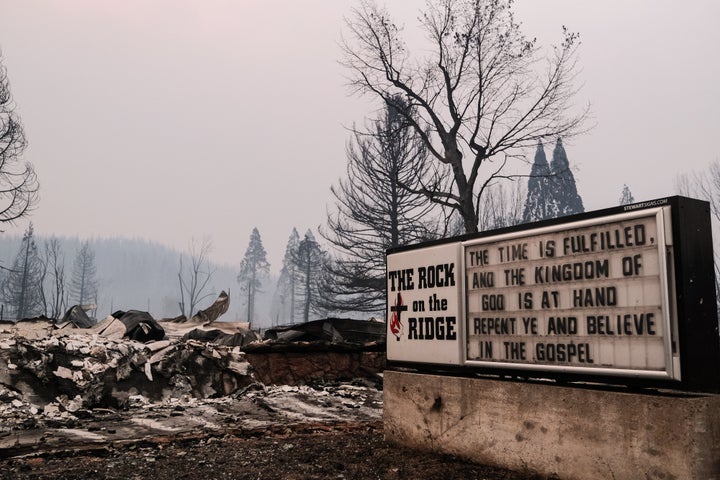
<point x="75" y="368"/>
<point x="130" y="377"/>
<point x="102" y="371"/>
<point x="17" y="414"/>
<point x="105" y="364"/>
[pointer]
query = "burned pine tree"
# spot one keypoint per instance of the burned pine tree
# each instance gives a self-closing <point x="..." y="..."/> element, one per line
<point x="252" y="267"/>
<point x="18" y="183"/>
<point x="377" y="207"/>
<point x="22" y="286"/>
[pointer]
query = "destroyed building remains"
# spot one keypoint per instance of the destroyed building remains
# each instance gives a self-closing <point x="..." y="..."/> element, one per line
<point x="53" y="373"/>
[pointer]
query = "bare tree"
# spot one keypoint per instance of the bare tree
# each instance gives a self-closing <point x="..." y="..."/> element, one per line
<point x="706" y="186"/>
<point x="18" y="183"/>
<point x="479" y="94"/>
<point x="194" y="278"/>
<point x="502" y="205"/>
<point x="54" y="266"/>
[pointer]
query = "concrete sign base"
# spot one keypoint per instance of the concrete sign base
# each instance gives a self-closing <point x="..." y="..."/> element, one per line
<point x="570" y="432"/>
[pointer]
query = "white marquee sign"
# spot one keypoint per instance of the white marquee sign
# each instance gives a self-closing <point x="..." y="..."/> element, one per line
<point x="592" y="296"/>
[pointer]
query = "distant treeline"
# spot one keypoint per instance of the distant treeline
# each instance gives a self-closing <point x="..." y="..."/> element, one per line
<point x="143" y="275"/>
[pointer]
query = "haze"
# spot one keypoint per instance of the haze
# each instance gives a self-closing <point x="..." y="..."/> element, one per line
<point x="178" y="119"/>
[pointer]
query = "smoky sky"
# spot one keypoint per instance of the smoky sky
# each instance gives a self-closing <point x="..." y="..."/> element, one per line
<point x="173" y="120"/>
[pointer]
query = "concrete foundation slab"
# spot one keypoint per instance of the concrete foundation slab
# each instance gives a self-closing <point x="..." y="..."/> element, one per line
<point x="571" y="432"/>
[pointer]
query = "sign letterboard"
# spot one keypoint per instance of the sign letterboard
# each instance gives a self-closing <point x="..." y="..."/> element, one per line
<point x="586" y="295"/>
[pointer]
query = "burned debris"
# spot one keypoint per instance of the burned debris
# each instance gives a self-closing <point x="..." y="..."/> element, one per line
<point x="103" y="372"/>
<point x="130" y="352"/>
<point x="62" y="374"/>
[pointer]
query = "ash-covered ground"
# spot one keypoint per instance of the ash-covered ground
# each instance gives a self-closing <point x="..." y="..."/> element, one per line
<point x="278" y="432"/>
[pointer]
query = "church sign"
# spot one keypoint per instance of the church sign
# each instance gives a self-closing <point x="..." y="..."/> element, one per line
<point x="624" y="294"/>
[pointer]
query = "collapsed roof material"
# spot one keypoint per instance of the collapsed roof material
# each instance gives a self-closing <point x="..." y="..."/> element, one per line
<point x="335" y="330"/>
<point x="209" y="315"/>
<point x="140" y="326"/>
<point x="214" y="311"/>
<point x="219" y="337"/>
<point x="77" y="316"/>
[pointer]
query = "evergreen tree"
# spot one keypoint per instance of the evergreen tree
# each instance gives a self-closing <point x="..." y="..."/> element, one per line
<point x="551" y="191"/>
<point x="283" y="308"/>
<point x="310" y="263"/>
<point x="563" y="188"/>
<point x="627" y="197"/>
<point x="378" y="206"/>
<point x="253" y="265"/>
<point x="22" y="286"/>
<point x="540" y="203"/>
<point x="83" y="282"/>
